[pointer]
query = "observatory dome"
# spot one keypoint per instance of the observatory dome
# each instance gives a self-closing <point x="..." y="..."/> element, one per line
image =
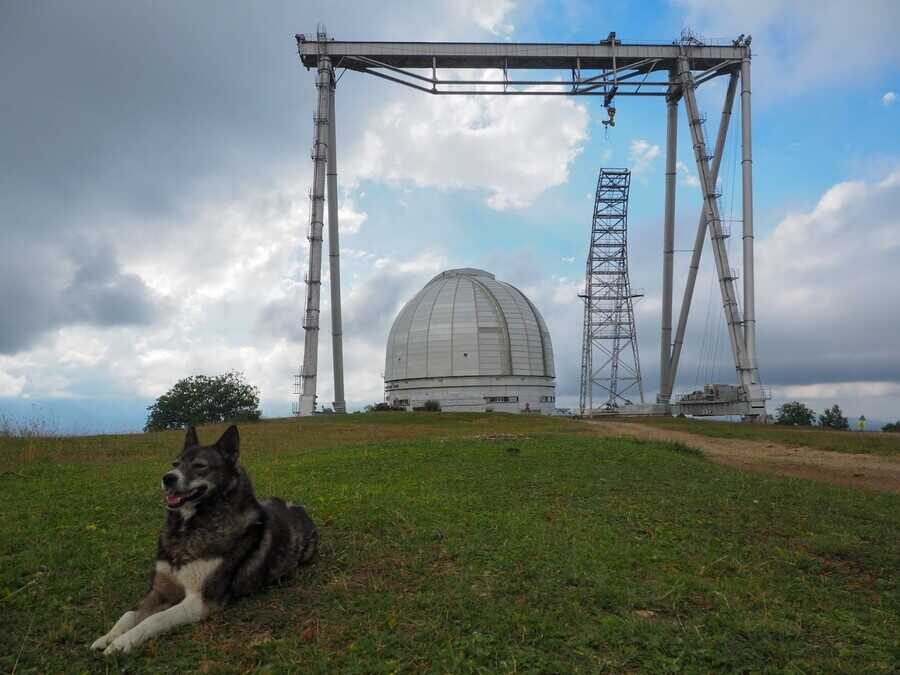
<point x="472" y="343"/>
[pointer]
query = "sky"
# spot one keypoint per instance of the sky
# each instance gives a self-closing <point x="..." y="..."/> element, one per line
<point x="155" y="168"/>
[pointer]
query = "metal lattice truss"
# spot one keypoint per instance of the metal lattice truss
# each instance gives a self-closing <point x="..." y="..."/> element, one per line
<point x="610" y="361"/>
<point x="607" y="69"/>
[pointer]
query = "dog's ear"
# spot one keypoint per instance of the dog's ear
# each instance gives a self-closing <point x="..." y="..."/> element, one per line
<point x="190" y="438"/>
<point x="229" y="444"/>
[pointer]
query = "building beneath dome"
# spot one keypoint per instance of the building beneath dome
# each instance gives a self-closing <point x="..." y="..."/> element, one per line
<point x="473" y="344"/>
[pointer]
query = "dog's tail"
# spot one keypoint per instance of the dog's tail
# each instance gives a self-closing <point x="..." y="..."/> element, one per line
<point x="309" y="545"/>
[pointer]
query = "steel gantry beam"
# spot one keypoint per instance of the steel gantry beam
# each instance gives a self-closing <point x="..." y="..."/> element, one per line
<point x="609" y="69"/>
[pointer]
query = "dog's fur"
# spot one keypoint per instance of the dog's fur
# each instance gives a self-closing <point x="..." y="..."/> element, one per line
<point x="218" y="543"/>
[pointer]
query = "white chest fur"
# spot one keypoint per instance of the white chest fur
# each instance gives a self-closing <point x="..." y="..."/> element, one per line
<point x="190" y="577"/>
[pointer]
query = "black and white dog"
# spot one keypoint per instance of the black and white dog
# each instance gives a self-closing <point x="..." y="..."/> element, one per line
<point x="218" y="543"/>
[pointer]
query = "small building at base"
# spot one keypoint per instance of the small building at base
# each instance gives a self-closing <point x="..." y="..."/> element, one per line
<point x="473" y="344"/>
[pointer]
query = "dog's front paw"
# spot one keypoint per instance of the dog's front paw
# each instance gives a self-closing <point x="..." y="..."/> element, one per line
<point x="101" y="643"/>
<point x="121" y="645"/>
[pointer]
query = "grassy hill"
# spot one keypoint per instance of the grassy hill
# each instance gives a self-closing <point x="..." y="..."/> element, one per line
<point x="444" y="551"/>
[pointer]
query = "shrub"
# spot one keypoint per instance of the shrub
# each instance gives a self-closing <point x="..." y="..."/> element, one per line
<point x="381" y="407"/>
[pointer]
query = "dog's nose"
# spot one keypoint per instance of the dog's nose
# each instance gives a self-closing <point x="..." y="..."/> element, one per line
<point x="169" y="480"/>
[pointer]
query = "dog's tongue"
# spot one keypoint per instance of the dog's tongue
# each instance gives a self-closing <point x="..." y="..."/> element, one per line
<point x="174" y="499"/>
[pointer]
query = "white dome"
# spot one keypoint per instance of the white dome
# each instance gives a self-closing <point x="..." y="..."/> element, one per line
<point x="466" y="323"/>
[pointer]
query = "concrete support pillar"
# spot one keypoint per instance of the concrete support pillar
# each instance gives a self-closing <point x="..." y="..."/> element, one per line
<point x="313" y="279"/>
<point x="334" y="259"/>
<point x="665" y="342"/>
<point x="747" y="201"/>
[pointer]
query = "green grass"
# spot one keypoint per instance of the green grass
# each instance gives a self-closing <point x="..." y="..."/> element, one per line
<point x="444" y="552"/>
<point x="841" y="441"/>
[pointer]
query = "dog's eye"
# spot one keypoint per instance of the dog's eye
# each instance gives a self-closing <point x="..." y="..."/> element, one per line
<point x="200" y="467"/>
<point x="175" y="464"/>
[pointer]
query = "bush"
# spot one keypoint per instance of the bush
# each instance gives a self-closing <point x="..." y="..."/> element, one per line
<point x="795" y="414"/>
<point x="381" y="407"/>
<point x="200" y="399"/>
<point x="895" y="427"/>
<point x="833" y="418"/>
<point x="432" y="406"/>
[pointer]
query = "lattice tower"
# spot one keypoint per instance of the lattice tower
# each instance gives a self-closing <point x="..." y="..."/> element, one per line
<point x="610" y="362"/>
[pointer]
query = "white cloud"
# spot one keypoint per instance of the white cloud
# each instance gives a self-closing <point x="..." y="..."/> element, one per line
<point x="490" y="15"/>
<point x="642" y="155"/>
<point x="839" y="390"/>
<point x="685" y="177"/>
<point x="794" y="42"/>
<point x="827" y="282"/>
<point x="349" y="218"/>
<point x="514" y="148"/>
<point x="889" y="98"/>
<point x="10" y="385"/>
<point x="569" y="259"/>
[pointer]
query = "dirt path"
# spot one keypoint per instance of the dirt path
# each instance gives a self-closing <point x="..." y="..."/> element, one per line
<point x="873" y="472"/>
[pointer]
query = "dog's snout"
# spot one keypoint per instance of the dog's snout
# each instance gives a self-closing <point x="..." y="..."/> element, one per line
<point x="169" y="480"/>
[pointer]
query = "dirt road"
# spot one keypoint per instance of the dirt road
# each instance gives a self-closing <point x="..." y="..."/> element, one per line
<point x="873" y="472"/>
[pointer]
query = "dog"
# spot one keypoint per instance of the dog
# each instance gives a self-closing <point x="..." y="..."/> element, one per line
<point x="219" y="543"/>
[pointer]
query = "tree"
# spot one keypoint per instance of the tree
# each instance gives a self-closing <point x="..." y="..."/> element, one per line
<point x="795" y="414"/>
<point x="833" y="418"/>
<point x="200" y="399"/>
<point x="895" y="427"/>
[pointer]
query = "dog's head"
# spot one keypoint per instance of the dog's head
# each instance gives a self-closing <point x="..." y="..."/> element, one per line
<point x="201" y="471"/>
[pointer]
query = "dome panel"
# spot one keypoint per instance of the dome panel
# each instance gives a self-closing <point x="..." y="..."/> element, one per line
<point x="465" y="323"/>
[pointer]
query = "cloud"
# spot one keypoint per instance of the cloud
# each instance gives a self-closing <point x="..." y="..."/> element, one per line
<point x="101" y="294"/>
<point x="46" y="285"/>
<point x="569" y="259"/>
<point x="163" y="234"/>
<point x="839" y="390"/>
<point x="379" y="293"/>
<point x="513" y="148"/>
<point x="155" y="204"/>
<point x="889" y="98"/>
<point x="793" y="43"/>
<point x="641" y="156"/>
<point x="685" y="177"/>
<point x="491" y="15"/>
<point x="11" y="385"/>
<point x="824" y="280"/>
<point x="349" y="218"/>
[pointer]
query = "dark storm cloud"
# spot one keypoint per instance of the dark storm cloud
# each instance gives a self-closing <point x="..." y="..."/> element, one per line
<point x="44" y="286"/>
<point x="101" y="294"/>
<point x="119" y="118"/>
<point x="25" y="311"/>
<point x="133" y="105"/>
